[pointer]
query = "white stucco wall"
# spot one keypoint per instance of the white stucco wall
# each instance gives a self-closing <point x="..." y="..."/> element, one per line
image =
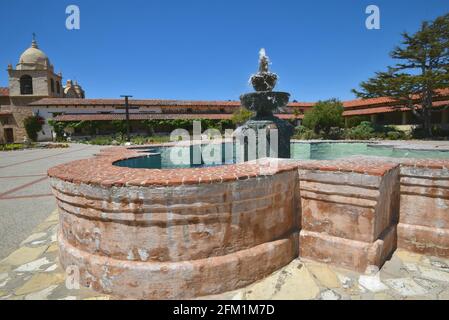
<point x="47" y="113"/>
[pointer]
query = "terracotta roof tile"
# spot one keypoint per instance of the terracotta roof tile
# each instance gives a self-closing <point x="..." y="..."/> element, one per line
<point x="386" y="109"/>
<point x="382" y="100"/>
<point x="132" y="102"/>
<point x="148" y="116"/>
<point x="352" y="107"/>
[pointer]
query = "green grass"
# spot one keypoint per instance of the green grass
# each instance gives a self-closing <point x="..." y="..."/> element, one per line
<point x="11" y="146"/>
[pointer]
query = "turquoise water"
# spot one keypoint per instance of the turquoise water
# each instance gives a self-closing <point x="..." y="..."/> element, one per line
<point x="328" y="151"/>
<point x="161" y="157"/>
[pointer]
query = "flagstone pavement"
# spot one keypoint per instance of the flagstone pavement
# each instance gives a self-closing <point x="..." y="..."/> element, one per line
<point x="33" y="272"/>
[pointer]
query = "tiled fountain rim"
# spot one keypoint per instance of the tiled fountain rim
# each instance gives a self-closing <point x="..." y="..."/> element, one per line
<point x="100" y="170"/>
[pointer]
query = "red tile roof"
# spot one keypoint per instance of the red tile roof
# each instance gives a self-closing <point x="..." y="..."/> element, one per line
<point x="148" y="116"/>
<point x="132" y="102"/>
<point x="352" y="107"/>
<point x="138" y="116"/>
<point x="148" y="103"/>
<point x="359" y="103"/>
<point x="4" y="92"/>
<point x="386" y="109"/>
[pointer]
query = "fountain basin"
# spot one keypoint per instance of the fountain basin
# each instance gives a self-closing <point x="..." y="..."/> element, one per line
<point x="185" y="233"/>
<point x="264" y="81"/>
<point x="264" y="102"/>
<point x="175" y="233"/>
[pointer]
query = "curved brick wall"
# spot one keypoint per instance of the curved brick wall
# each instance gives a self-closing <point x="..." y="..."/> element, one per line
<point x="174" y="233"/>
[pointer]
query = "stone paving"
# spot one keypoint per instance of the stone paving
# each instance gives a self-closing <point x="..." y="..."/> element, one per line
<point x="33" y="272"/>
<point x="25" y="195"/>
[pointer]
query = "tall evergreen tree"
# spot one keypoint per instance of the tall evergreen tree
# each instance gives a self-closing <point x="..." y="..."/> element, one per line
<point x="420" y="73"/>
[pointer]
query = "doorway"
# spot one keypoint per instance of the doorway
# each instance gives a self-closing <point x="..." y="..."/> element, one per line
<point x="9" y="135"/>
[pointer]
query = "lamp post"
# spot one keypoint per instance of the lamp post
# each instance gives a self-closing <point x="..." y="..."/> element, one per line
<point x="127" y="115"/>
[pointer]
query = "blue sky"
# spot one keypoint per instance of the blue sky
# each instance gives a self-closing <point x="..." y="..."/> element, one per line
<point x="206" y="49"/>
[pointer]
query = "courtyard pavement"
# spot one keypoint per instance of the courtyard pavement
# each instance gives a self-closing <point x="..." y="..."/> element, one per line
<point x="29" y="267"/>
<point x="25" y="195"/>
<point x="33" y="272"/>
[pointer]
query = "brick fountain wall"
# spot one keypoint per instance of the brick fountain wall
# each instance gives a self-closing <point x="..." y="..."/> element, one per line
<point x="149" y="234"/>
<point x="424" y="216"/>
<point x="152" y="234"/>
<point x="349" y="212"/>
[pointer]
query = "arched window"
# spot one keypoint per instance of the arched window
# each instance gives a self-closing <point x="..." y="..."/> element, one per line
<point x="58" y="87"/>
<point x="26" y="84"/>
<point x="52" y="85"/>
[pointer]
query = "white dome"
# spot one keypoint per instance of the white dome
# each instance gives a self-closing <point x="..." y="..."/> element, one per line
<point x="33" y="59"/>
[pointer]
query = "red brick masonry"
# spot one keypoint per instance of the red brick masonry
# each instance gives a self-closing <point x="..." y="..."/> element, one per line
<point x="183" y="233"/>
<point x="424" y="218"/>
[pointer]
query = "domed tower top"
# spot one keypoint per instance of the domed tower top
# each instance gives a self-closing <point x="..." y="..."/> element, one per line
<point x="33" y="58"/>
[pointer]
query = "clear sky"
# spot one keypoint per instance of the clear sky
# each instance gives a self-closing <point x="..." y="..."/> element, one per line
<point x="207" y="49"/>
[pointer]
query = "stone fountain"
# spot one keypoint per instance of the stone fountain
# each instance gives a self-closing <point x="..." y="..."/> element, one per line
<point x="264" y="101"/>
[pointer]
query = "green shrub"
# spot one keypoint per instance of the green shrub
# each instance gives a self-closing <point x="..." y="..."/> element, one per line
<point x="58" y="128"/>
<point x="395" y="135"/>
<point x="32" y="124"/>
<point x="364" y="131"/>
<point x="355" y="121"/>
<point x="152" y="139"/>
<point x="324" y="115"/>
<point x="241" y="115"/>
<point x="334" y="133"/>
<point x="303" y="133"/>
<point x="119" y="139"/>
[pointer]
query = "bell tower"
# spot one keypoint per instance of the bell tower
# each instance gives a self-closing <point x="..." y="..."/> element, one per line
<point x="34" y="77"/>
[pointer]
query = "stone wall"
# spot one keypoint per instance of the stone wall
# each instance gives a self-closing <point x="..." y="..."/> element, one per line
<point x="41" y="83"/>
<point x="349" y="218"/>
<point x="424" y="215"/>
<point x="15" y="121"/>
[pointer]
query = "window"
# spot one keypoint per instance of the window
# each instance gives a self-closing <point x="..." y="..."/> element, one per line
<point x="58" y="87"/>
<point x="4" y="120"/>
<point x="52" y="85"/>
<point x="26" y="85"/>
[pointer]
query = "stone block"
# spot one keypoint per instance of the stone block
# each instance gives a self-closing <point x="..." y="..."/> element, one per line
<point x="352" y="254"/>
<point x="424" y="208"/>
<point x="349" y="218"/>
<point x="424" y="240"/>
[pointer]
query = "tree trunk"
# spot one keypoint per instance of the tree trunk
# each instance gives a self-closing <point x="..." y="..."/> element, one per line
<point x="427" y="112"/>
<point x="428" y="123"/>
